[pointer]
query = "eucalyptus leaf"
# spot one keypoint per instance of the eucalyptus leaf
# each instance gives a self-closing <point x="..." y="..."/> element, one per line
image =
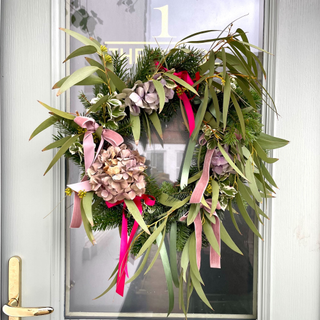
<point x="152" y="238"/>
<point x="167" y="200"/>
<point x="101" y="73"/>
<point x="135" y="122"/>
<point x="133" y="209"/>
<point x="187" y="164"/>
<point x="91" y="80"/>
<point x="145" y="121"/>
<point x="156" y="123"/>
<point x="193" y="258"/>
<point x="207" y="229"/>
<point x="89" y="49"/>
<point x="57" y="143"/>
<point x="120" y="85"/>
<point x="195" y="177"/>
<point x="267" y="175"/>
<point x="211" y="218"/>
<point x="240" y="115"/>
<point x="227" y="239"/>
<point x="199" y="290"/>
<point x="185" y="259"/>
<point x="230" y="209"/>
<point x="200" y="115"/>
<point x="215" y="103"/>
<point x="76" y="77"/>
<point x="141" y="267"/>
<point x="112" y="284"/>
<point x="62" y="150"/>
<point x="161" y="94"/>
<point x="269" y="142"/>
<point x="81" y="38"/>
<point x="246" y="216"/>
<point x="243" y="85"/>
<point x="253" y="46"/>
<point x="215" y="195"/>
<point x="262" y="154"/>
<point x="180" y="81"/>
<point x="57" y="112"/>
<point x="86" y="224"/>
<point x="98" y="104"/>
<point x="226" y="156"/>
<point x="167" y="272"/>
<point x="226" y="100"/>
<point x="197" y="33"/>
<point x="246" y="196"/>
<point x="249" y="169"/>
<point x="87" y="206"/>
<point x="160" y="244"/>
<point x="173" y="254"/>
<point x="179" y="204"/>
<point x="44" y="125"/>
<point x="193" y="212"/>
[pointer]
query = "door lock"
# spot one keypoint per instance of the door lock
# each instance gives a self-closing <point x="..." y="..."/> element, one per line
<point x="13" y="308"/>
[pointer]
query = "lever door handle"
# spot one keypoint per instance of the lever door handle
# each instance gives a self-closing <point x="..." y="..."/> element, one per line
<point x="13" y="308"/>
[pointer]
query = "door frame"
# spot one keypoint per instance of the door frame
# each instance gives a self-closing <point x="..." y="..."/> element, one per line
<point x="58" y="241"/>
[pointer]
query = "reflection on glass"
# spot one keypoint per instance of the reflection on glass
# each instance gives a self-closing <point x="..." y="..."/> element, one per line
<point x="126" y="26"/>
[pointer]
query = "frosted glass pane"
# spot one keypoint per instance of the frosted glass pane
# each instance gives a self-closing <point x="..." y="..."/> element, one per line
<point x="126" y="26"/>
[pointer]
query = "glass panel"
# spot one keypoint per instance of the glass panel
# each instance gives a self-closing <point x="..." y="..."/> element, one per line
<point x="126" y="26"/>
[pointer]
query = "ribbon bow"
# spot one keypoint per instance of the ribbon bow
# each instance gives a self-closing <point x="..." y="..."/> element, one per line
<point x="125" y="243"/>
<point x="215" y="260"/>
<point x="88" y="143"/>
<point x="108" y="135"/>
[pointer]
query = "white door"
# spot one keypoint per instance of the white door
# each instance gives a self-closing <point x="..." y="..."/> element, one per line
<point x="27" y="36"/>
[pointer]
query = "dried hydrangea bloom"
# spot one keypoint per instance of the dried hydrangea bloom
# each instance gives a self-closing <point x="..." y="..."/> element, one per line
<point x="117" y="174"/>
<point x="144" y="95"/>
<point x="219" y="164"/>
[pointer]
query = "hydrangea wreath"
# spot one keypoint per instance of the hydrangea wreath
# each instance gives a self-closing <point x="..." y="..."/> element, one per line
<point x="223" y="169"/>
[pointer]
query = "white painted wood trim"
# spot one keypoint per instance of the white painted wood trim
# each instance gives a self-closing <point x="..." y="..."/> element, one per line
<point x="58" y="218"/>
<point x="0" y="169"/>
<point x="268" y="118"/>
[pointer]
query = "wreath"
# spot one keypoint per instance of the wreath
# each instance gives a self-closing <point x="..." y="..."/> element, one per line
<point x="219" y="95"/>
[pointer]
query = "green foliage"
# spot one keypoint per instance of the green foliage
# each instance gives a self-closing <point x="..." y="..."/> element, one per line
<point x="82" y="97"/>
<point x="103" y="217"/>
<point x="145" y="65"/>
<point x="120" y="65"/>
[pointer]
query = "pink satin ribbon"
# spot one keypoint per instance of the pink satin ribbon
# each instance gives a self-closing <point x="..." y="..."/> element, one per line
<point x="184" y="75"/>
<point x="215" y="260"/>
<point x="125" y="243"/>
<point x="88" y="143"/>
<point x="108" y="135"/>
<point x="204" y="179"/>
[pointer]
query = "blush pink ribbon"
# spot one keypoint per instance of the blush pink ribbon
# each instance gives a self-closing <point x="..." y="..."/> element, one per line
<point x="125" y="243"/>
<point x="88" y="143"/>
<point x="184" y="75"/>
<point x="204" y="179"/>
<point x="108" y="135"/>
<point x="215" y="259"/>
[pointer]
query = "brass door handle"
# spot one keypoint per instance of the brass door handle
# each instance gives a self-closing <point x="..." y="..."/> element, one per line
<point x="12" y="308"/>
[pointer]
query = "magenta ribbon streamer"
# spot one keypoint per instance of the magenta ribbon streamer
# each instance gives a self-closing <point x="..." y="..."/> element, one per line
<point x="110" y="136"/>
<point x="215" y="261"/>
<point x="125" y="243"/>
<point x="184" y="75"/>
